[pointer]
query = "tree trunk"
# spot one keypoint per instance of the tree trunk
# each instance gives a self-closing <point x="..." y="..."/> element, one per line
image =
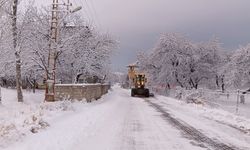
<point x="217" y="81"/>
<point x="34" y="86"/>
<point x="17" y="53"/>
<point x="191" y="83"/>
<point x="222" y="84"/>
<point x="177" y="80"/>
<point x="196" y="86"/>
<point x="168" y="85"/>
<point x="196" y="83"/>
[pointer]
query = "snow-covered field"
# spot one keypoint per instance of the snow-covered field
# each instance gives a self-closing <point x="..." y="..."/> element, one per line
<point x="118" y="121"/>
<point x="216" y="99"/>
<point x="230" y="104"/>
<point x="213" y="122"/>
<point x="18" y="120"/>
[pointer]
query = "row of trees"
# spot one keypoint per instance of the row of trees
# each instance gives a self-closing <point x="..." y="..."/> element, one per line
<point x="177" y="61"/>
<point x="82" y="50"/>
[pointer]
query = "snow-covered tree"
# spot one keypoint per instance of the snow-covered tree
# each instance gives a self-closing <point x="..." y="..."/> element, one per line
<point x="176" y="61"/>
<point x="17" y="50"/>
<point x="7" y="54"/>
<point x="85" y="53"/>
<point x="237" y="70"/>
<point x="81" y="49"/>
<point x="204" y="64"/>
<point x="168" y="59"/>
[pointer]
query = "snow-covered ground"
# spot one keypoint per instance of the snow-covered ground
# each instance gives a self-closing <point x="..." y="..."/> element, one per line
<point x="117" y="121"/>
<point x="230" y="104"/>
<point x="215" y="99"/>
<point x="215" y="123"/>
<point x="20" y="120"/>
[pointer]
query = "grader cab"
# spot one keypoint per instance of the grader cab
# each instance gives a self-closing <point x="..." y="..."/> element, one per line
<point x="137" y="82"/>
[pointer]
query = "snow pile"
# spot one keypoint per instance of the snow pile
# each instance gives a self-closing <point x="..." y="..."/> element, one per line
<point x="216" y="99"/>
<point x="196" y="96"/>
<point x="21" y="119"/>
<point x="238" y="122"/>
<point x="217" y="114"/>
<point x="8" y="133"/>
<point x="202" y="97"/>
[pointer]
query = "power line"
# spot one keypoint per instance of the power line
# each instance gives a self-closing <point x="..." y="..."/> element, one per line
<point x="87" y="14"/>
<point x="95" y="12"/>
<point x="91" y="12"/>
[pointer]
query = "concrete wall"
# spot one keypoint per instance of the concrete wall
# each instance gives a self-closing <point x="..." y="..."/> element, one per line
<point x="80" y="91"/>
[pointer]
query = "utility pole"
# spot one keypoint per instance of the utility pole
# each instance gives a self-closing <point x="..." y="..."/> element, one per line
<point x="68" y="5"/>
<point x="17" y="53"/>
<point x="0" y="95"/>
<point x="50" y="75"/>
<point x="54" y="31"/>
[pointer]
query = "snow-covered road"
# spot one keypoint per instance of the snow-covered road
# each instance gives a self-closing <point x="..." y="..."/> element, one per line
<point x="119" y="122"/>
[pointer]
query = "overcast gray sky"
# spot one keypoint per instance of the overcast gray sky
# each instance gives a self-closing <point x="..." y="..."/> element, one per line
<point x="137" y="24"/>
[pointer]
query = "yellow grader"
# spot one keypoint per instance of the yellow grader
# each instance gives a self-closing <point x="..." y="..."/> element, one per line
<point x="137" y="82"/>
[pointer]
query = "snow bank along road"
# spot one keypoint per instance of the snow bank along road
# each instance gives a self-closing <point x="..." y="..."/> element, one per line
<point x="120" y="122"/>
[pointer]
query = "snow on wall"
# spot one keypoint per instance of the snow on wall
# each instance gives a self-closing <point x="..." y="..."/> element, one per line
<point x="80" y="91"/>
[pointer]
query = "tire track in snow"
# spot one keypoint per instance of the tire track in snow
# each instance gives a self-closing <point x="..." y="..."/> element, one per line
<point x="190" y="131"/>
<point x="132" y="127"/>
